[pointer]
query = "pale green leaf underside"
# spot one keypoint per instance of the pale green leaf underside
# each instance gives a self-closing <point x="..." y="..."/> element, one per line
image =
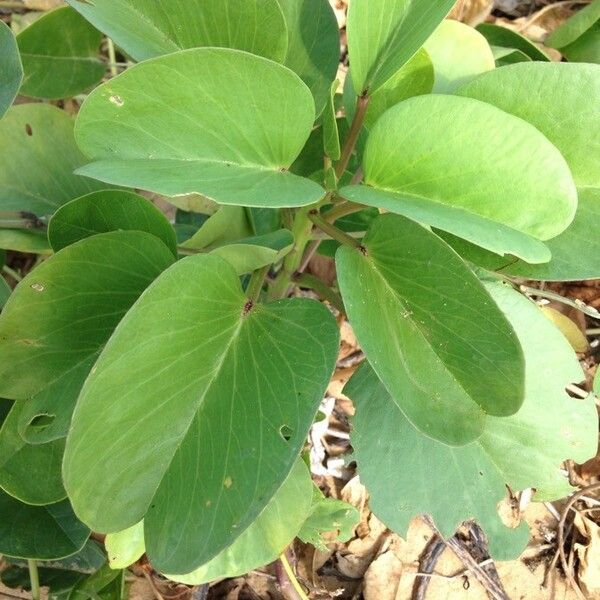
<point x="108" y="210"/>
<point x="431" y="331"/>
<point x="123" y="548"/>
<point x="246" y="377"/>
<point x="39" y="532"/>
<point x="384" y="34"/>
<point x="60" y="55"/>
<point x="11" y="69"/>
<point x="575" y="252"/>
<point x="484" y="232"/>
<point x="265" y="539"/>
<point x="51" y="148"/>
<point x="523" y="450"/>
<point x="544" y="94"/>
<point x="458" y="53"/>
<point x="220" y="122"/>
<point x="63" y="312"/>
<point x="470" y="155"/>
<point x="27" y="472"/>
<point x="146" y="29"/>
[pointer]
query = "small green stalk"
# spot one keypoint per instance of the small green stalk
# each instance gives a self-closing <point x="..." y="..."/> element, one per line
<point x="112" y="57"/>
<point x="362" y="103"/>
<point x="342" y="210"/>
<point x="311" y="282"/>
<point x="256" y="283"/>
<point x="34" y="578"/>
<point x="332" y="231"/>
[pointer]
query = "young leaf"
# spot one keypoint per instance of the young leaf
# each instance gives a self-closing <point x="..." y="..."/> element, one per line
<point x="125" y="547"/>
<point x="251" y="372"/>
<point x="578" y="38"/>
<point x="574" y="252"/>
<point x="11" y="69"/>
<point x="384" y="34"/>
<point x="524" y="450"/>
<point x="40" y="135"/>
<point x="313" y="44"/>
<point x="149" y="29"/>
<point x="108" y="210"/>
<point x="272" y="531"/>
<point x="431" y="331"/>
<point x="245" y="121"/>
<point x="331" y="135"/>
<point x="558" y="88"/>
<point x="63" y="312"/>
<point x="60" y="55"/>
<point x="39" y="532"/>
<point x="458" y="53"/>
<point x="506" y="38"/>
<point x="413" y="79"/>
<point x="29" y="473"/>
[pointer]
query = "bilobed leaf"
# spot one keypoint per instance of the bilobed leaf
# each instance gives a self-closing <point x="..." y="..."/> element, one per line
<point x="254" y="376"/>
<point x="39" y="532"/>
<point x="272" y="531"/>
<point x="60" y="55"/>
<point x="27" y="472"/>
<point x="245" y="121"/>
<point x="578" y="38"/>
<point x="413" y="79"/>
<point x="108" y="210"/>
<point x="40" y="135"/>
<point x="574" y="252"/>
<point x="149" y="29"/>
<point x="64" y="311"/>
<point x="509" y="39"/>
<point x="313" y="44"/>
<point x="523" y="450"/>
<point x="11" y="69"/>
<point x="464" y="167"/>
<point x="125" y="547"/>
<point x="544" y="94"/>
<point x="431" y="331"/>
<point x="384" y="34"/>
<point x="458" y="53"/>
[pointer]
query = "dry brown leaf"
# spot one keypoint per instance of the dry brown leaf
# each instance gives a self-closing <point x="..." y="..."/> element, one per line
<point x="382" y="577"/>
<point x="472" y="12"/>
<point x="42" y="4"/>
<point x="589" y="557"/>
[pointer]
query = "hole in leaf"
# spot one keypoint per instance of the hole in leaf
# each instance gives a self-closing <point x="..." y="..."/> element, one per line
<point x="286" y="432"/>
<point x="117" y="100"/>
<point x="38" y="287"/>
<point x="42" y="421"/>
<point x="28" y="129"/>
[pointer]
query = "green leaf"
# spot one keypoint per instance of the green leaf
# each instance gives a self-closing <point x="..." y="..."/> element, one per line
<point x="64" y="311"/>
<point x="29" y="473"/>
<point x="11" y="69"/>
<point x="245" y="121"/>
<point x="558" y="88"/>
<point x="431" y="331"/>
<point x="59" y="581"/>
<point x="148" y="29"/>
<point x="273" y="530"/>
<point x="39" y="532"/>
<point x="255" y="252"/>
<point x="108" y="210"/>
<point x="125" y="547"/>
<point x="468" y="168"/>
<point x="524" y="450"/>
<point x="413" y="79"/>
<point x="328" y="516"/>
<point x="508" y="56"/>
<point x="22" y="240"/>
<point x="506" y="38"/>
<point x="459" y="53"/>
<point x="228" y="224"/>
<point x="313" y="44"/>
<point x="384" y="34"/>
<point x="5" y="292"/>
<point x="98" y="585"/>
<point x="331" y="136"/>
<point x="578" y="38"/>
<point x="574" y="252"/>
<point x="40" y="135"/>
<point x="60" y="55"/>
<point x="251" y="373"/>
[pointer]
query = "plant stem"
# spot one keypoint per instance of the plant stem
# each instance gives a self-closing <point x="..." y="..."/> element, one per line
<point x="311" y="282"/>
<point x="362" y="103"/>
<point x="112" y="56"/>
<point x="334" y="232"/>
<point x="12" y="273"/>
<point x="255" y="284"/>
<point x="34" y="578"/>
<point x="578" y="304"/>
<point x="342" y="210"/>
<point x="292" y="577"/>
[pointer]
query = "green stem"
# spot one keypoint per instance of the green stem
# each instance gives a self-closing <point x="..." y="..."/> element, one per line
<point x="334" y="232"/>
<point x="292" y="577"/>
<point x="255" y="284"/>
<point x="342" y="210"/>
<point x="12" y="273"/>
<point x="34" y="578"/>
<point x="578" y="304"/>
<point x="112" y="56"/>
<point x="314" y="283"/>
<point x="362" y="103"/>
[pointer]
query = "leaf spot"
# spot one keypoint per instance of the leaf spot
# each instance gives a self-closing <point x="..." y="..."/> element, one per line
<point x="38" y="287"/>
<point x="28" y="129"/>
<point x="286" y="432"/>
<point x="117" y="100"/>
<point x="228" y="482"/>
<point x="208" y="503"/>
